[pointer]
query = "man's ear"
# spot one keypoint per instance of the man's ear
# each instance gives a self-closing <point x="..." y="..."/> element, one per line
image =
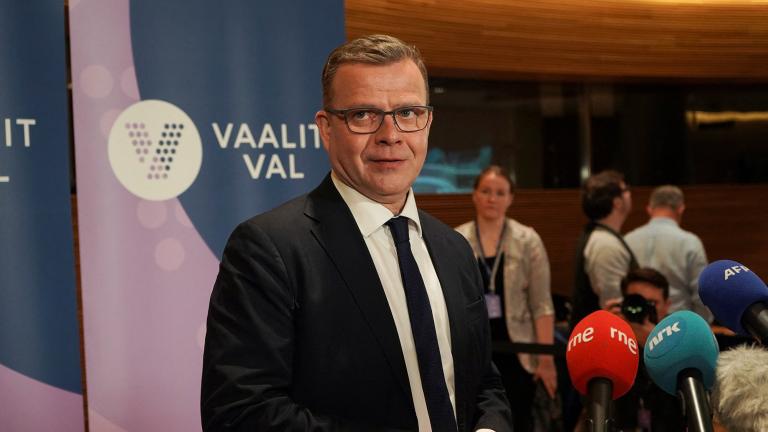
<point x="324" y="126"/>
<point x="431" y="119"/>
<point x="618" y="202"/>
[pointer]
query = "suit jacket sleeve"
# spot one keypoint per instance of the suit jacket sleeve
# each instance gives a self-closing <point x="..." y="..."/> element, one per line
<point x="492" y="407"/>
<point x="249" y="346"/>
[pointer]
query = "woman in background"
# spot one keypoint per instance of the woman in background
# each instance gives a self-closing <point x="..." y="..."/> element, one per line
<point x="515" y="270"/>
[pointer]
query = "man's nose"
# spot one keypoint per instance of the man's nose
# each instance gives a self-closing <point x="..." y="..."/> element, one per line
<point x="388" y="133"/>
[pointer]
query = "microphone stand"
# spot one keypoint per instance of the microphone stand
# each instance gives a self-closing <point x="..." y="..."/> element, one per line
<point x="697" y="411"/>
<point x="599" y="391"/>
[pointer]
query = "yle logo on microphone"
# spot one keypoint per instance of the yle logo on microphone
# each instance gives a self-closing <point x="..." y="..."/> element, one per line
<point x="731" y="271"/>
<point x="659" y="337"/>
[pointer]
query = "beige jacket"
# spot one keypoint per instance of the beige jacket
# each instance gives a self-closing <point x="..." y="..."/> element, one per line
<point x="526" y="281"/>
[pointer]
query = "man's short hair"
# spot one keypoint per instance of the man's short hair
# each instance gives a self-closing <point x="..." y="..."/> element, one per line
<point x="668" y="196"/>
<point x="739" y="398"/>
<point x="499" y="171"/>
<point x="375" y="50"/>
<point x="647" y="275"/>
<point x="598" y="193"/>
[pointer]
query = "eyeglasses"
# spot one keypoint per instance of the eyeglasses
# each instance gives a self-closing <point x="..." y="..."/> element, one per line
<point x="369" y="120"/>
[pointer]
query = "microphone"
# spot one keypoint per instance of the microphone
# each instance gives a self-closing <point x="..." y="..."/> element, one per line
<point x="602" y="358"/>
<point x="680" y="355"/>
<point x="737" y="297"/>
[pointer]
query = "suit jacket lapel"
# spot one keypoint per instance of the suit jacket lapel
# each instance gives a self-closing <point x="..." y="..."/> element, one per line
<point x="337" y="233"/>
<point x="445" y="266"/>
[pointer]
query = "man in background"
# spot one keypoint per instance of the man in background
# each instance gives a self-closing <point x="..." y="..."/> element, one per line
<point x="602" y="256"/>
<point x="678" y="254"/>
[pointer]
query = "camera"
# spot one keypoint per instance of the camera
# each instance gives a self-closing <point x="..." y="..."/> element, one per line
<point x="636" y="308"/>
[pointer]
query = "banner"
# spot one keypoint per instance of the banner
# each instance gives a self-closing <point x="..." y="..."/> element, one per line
<point x="190" y="117"/>
<point x="40" y="379"/>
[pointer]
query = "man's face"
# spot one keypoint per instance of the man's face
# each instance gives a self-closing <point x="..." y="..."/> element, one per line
<point x="625" y="205"/>
<point x="651" y="293"/>
<point x="382" y="165"/>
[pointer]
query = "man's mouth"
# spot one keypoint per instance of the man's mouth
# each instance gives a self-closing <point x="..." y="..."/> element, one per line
<point x="387" y="162"/>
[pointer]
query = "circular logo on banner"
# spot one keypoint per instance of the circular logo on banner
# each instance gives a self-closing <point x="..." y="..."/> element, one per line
<point x="155" y="150"/>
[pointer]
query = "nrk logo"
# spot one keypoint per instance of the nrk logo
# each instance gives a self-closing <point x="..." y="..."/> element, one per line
<point x="155" y="150"/>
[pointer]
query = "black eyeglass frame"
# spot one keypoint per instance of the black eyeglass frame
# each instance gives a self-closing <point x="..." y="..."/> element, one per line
<point x="343" y="114"/>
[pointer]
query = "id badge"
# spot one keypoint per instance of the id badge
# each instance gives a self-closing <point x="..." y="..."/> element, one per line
<point x="493" y="303"/>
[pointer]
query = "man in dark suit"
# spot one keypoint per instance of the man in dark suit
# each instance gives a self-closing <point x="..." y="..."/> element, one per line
<point x="347" y="309"/>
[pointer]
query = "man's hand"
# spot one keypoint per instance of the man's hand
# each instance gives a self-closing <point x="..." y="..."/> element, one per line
<point x="613" y="306"/>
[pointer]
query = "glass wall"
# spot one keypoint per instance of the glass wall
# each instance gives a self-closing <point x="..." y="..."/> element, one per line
<point x="551" y="135"/>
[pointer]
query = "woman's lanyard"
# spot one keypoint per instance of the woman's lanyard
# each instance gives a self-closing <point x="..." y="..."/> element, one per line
<point x="490" y="272"/>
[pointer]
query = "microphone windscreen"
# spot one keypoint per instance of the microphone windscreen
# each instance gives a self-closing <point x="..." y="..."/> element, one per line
<point x="728" y="288"/>
<point x="602" y="345"/>
<point x="682" y="340"/>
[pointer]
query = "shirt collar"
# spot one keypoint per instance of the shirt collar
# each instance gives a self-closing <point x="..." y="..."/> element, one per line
<point x="663" y="220"/>
<point x="371" y="215"/>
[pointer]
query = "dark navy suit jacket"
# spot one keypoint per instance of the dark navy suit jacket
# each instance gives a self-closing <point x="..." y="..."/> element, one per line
<point x="300" y="336"/>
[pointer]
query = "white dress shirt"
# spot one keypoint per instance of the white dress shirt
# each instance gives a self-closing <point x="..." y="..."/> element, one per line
<point x="370" y="217"/>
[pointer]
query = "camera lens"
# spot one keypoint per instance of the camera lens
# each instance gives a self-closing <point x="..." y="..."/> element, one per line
<point x="635" y="308"/>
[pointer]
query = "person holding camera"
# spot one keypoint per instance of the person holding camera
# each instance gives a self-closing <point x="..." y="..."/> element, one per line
<point x="645" y="407"/>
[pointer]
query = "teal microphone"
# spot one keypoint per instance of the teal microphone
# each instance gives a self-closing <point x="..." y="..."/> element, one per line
<point x="680" y="356"/>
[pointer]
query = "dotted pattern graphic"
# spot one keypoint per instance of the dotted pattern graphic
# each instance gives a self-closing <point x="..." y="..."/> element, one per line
<point x="158" y="157"/>
<point x="166" y="151"/>
<point x="155" y="149"/>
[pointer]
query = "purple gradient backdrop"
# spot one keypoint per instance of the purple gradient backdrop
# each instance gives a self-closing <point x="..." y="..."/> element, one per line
<point x="146" y="273"/>
<point x="30" y="405"/>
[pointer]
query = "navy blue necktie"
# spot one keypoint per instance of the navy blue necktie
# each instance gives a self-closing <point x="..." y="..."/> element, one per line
<point x="423" y="327"/>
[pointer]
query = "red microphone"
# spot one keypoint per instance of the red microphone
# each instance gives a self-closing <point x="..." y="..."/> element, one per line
<point x="602" y="359"/>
